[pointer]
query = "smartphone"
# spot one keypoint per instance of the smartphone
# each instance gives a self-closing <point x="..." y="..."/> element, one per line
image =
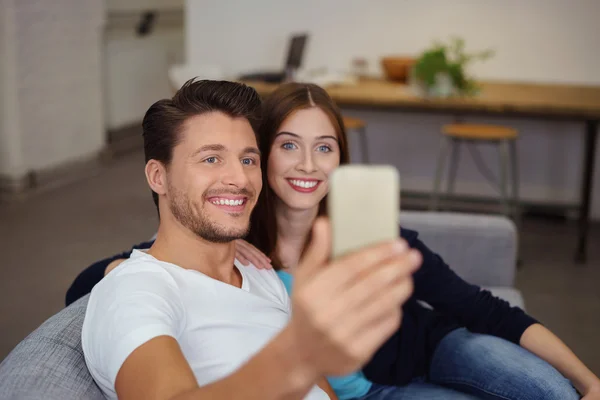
<point x="363" y="206"/>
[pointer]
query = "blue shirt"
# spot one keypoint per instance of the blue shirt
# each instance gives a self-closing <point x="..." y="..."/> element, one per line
<point x="348" y="386"/>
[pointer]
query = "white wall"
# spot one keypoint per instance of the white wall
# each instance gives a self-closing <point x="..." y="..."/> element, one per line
<point x="136" y="68"/>
<point x="67" y="74"/>
<point x="51" y="84"/>
<point x="142" y="5"/>
<point x="11" y="157"/>
<point x="59" y="70"/>
<point x="535" y="41"/>
<point x="136" y="71"/>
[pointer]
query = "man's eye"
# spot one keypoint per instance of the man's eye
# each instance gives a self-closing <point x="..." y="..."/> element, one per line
<point x="248" y="161"/>
<point x="210" y="160"/>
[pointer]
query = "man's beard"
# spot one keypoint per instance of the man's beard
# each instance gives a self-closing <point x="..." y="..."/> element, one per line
<point x="182" y="209"/>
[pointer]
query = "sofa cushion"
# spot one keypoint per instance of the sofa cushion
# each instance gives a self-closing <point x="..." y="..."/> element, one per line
<point x="512" y="295"/>
<point x="481" y="249"/>
<point x="49" y="363"/>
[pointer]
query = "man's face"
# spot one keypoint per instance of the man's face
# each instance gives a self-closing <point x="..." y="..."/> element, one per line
<point x="214" y="177"/>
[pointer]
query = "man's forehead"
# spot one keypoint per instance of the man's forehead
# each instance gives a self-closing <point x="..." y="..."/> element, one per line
<point x="218" y="128"/>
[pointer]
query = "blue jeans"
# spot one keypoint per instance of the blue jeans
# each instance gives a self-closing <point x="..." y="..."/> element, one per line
<point x="415" y="391"/>
<point x="467" y="365"/>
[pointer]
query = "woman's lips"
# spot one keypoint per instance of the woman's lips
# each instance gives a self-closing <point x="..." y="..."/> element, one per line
<point x="304" y="185"/>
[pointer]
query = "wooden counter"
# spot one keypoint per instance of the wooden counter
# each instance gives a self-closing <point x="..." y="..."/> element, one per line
<point x="551" y="100"/>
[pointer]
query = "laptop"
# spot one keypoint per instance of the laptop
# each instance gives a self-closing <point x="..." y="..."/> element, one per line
<point x="294" y="61"/>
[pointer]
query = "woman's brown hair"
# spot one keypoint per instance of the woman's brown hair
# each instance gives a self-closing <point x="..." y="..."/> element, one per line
<point x="277" y="107"/>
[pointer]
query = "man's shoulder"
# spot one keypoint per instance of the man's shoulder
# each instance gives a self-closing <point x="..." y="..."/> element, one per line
<point x="143" y="264"/>
<point x="266" y="276"/>
<point x="140" y="272"/>
<point x="268" y="281"/>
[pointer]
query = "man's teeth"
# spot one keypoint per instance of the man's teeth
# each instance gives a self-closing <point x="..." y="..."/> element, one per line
<point x="227" y="202"/>
<point x="304" y="184"/>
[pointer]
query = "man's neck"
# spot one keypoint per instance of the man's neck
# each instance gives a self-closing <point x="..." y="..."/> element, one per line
<point x="293" y="227"/>
<point x="177" y="245"/>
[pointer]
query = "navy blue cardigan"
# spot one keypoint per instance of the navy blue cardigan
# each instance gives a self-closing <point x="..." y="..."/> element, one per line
<point x="406" y="355"/>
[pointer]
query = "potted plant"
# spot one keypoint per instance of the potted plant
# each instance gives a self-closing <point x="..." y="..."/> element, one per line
<point x="441" y="70"/>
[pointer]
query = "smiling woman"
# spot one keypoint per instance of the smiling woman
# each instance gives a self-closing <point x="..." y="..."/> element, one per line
<point x="302" y="140"/>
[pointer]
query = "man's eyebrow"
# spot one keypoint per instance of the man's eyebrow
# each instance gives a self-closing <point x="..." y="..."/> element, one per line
<point x="209" y="147"/>
<point x="298" y="136"/>
<point x="251" y="149"/>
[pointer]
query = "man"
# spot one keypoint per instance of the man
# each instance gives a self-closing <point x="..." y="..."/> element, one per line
<point x="183" y="320"/>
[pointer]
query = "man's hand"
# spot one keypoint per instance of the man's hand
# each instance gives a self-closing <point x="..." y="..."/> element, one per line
<point x="344" y="310"/>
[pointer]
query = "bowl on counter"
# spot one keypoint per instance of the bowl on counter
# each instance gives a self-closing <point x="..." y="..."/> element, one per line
<point x="397" y="68"/>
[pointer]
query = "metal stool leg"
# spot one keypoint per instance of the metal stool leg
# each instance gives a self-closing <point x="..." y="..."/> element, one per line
<point x="454" y="157"/>
<point x="515" y="182"/>
<point x="503" y="151"/>
<point x="443" y="152"/>
<point x="516" y="208"/>
<point x="364" y="150"/>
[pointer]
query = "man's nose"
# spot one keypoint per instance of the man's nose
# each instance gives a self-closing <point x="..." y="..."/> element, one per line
<point x="235" y="174"/>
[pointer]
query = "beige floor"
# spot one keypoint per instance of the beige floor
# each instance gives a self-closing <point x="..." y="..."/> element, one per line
<point x="48" y="238"/>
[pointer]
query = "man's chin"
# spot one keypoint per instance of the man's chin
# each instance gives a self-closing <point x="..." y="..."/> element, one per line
<point x="221" y="235"/>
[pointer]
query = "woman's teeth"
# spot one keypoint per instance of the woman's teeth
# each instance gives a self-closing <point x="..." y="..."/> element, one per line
<point x="304" y="184"/>
<point x="226" y="202"/>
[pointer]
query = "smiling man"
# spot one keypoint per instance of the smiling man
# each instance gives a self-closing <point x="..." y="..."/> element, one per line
<point x="184" y="320"/>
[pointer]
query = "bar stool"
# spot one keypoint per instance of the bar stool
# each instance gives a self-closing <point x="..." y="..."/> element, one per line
<point x="360" y="127"/>
<point x="504" y="138"/>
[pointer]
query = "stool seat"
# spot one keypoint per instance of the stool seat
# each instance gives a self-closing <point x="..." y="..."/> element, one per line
<point x="504" y="139"/>
<point x="479" y="132"/>
<point x="353" y="123"/>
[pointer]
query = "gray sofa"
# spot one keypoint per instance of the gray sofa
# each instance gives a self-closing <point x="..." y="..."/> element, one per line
<point x="49" y="363"/>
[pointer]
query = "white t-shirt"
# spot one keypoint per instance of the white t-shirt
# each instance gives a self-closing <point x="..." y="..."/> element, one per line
<point x="218" y="326"/>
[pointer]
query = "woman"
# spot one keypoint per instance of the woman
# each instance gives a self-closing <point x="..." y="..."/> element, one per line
<point x="467" y="348"/>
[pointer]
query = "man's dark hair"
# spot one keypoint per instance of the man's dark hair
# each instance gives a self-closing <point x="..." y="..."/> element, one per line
<point x="164" y="119"/>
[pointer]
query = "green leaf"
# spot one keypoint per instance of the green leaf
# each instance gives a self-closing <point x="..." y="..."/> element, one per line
<point x="452" y="59"/>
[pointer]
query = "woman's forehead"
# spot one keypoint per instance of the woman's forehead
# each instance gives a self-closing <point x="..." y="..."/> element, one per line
<point x="309" y="123"/>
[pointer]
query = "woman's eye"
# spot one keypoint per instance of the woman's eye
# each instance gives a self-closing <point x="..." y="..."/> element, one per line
<point x="324" y="149"/>
<point x="289" y="146"/>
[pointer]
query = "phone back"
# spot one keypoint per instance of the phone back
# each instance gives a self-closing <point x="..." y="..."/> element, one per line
<point x="363" y="206"/>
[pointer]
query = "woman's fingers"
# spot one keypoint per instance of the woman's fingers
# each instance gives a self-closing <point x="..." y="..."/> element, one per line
<point x="257" y="257"/>
<point x="252" y="255"/>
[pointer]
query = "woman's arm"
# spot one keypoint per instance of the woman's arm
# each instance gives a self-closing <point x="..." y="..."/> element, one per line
<point x="326" y="387"/>
<point x="89" y="277"/>
<point x="478" y="310"/>
<point x="481" y="312"/>
<point x="113" y="264"/>
<point x="543" y="343"/>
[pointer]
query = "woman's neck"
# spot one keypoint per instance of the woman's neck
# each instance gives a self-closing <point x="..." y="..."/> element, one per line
<point x="293" y="228"/>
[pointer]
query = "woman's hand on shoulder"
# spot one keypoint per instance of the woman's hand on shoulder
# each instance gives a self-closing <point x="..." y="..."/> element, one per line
<point x="248" y="254"/>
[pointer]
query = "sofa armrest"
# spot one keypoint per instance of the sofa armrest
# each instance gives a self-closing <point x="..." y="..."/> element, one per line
<point x="479" y="248"/>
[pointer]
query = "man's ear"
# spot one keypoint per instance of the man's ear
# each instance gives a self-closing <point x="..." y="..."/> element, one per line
<point x="156" y="175"/>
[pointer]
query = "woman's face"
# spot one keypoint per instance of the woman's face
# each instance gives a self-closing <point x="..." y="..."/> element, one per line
<point x="305" y="151"/>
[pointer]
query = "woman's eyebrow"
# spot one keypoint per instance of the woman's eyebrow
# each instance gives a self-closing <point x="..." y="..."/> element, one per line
<point x="298" y="136"/>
